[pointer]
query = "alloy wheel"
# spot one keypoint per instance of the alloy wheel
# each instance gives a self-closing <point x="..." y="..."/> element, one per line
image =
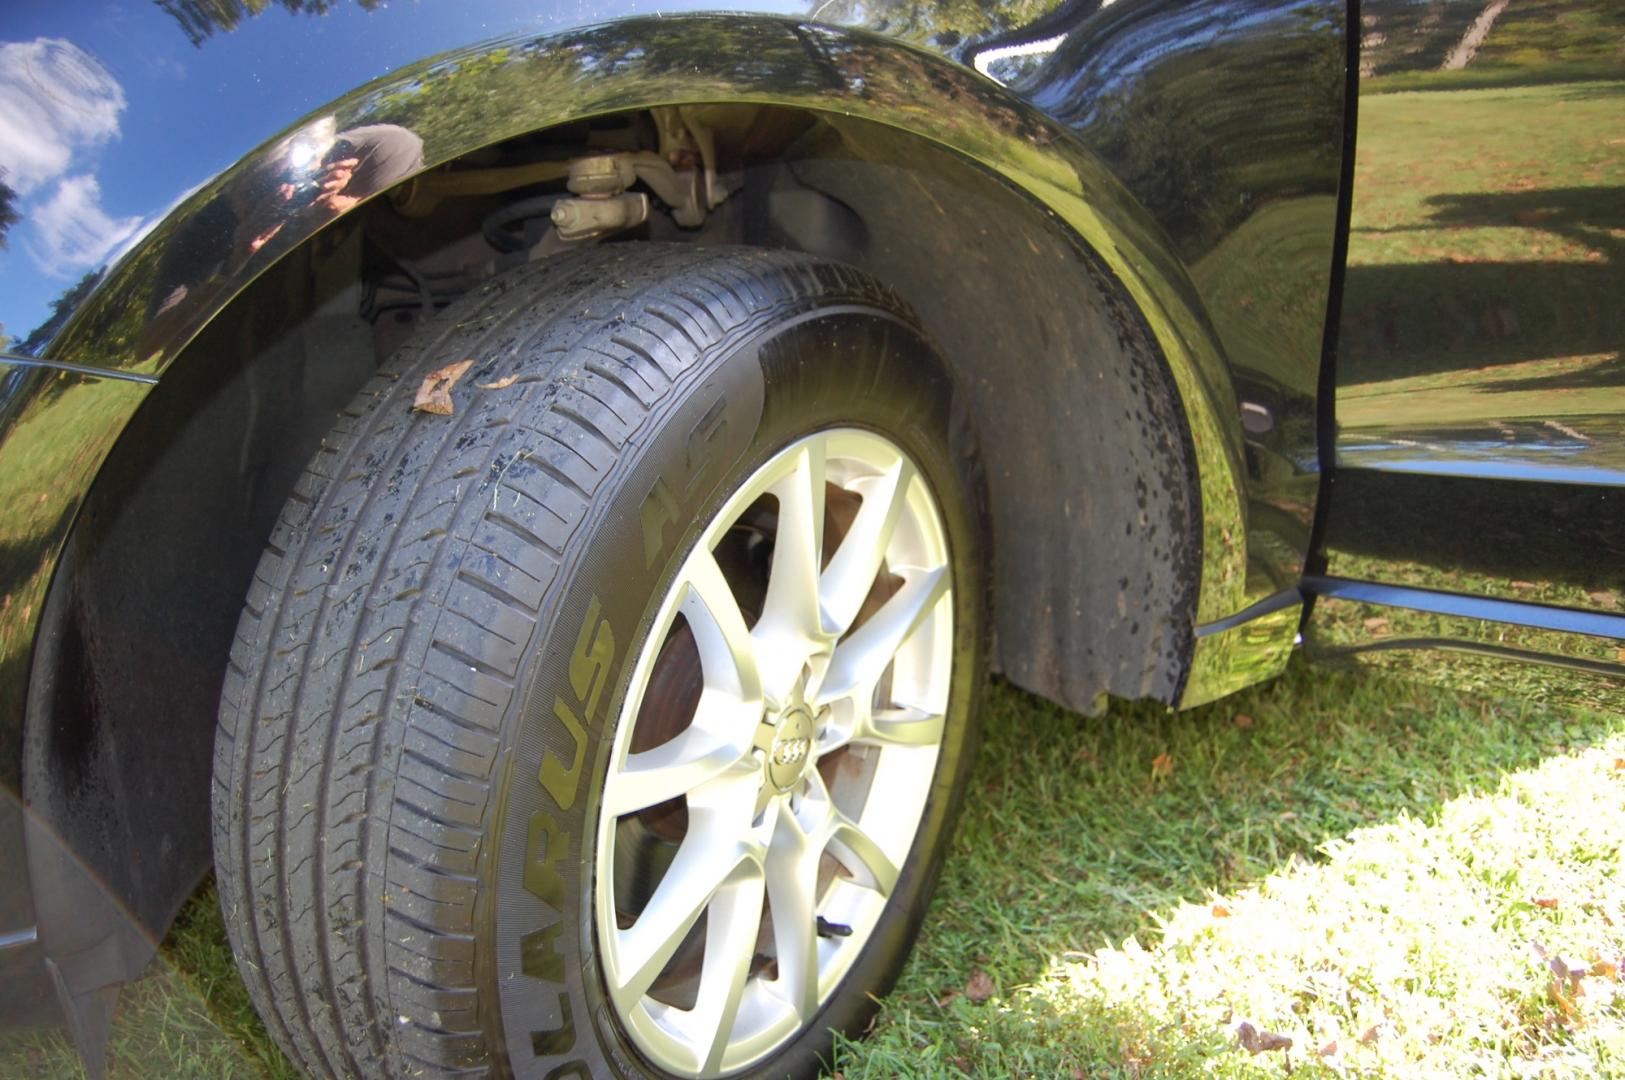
<point x="774" y="753"/>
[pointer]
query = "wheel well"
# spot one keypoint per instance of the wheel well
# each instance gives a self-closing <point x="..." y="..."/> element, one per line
<point x="1094" y="511"/>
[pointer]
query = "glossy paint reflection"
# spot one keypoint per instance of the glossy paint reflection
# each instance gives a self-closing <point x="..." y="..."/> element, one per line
<point x="1482" y="326"/>
<point x="1478" y="655"/>
<point x="1225" y="121"/>
<point x="117" y="113"/>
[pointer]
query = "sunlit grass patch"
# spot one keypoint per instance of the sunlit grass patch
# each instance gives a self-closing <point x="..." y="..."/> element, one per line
<point x="1463" y="945"/>
<point x="1383" y="874"/>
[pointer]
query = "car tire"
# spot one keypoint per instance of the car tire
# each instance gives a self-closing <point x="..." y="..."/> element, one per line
<point x="439" y="695"/>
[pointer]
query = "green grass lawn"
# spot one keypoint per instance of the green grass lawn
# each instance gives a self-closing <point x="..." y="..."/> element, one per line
<point x="1385" y="874"/>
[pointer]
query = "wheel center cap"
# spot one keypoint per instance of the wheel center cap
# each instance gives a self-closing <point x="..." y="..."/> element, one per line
<point x="791" y="748"/>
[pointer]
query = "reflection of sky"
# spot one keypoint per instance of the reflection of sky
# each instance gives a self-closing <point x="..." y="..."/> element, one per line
<point x="109" y="115"/>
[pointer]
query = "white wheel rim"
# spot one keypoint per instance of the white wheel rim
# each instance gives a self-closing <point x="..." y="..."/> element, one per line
<point x="810" y="687"/>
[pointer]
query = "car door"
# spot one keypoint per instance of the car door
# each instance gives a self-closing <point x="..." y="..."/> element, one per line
<point x="1475" y="516"/>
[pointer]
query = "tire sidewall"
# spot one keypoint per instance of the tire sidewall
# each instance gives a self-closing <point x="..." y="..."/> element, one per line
<point x="733" y="409"/>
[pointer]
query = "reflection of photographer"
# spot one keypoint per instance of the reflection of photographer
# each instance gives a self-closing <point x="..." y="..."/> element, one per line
<point x="332" y="173"/>
<point x="317" y="171"/>
<point x="358" y="163"/>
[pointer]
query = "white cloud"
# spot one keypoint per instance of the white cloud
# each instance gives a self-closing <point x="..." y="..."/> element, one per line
<point x="71" y="231"/>
<point x="55" y="98"/>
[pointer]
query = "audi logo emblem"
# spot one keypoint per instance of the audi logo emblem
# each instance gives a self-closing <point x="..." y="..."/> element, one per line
<point x="790" y="751"/>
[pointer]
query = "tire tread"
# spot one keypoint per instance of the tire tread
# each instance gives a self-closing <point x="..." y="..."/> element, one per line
<point x="357" y="754"/>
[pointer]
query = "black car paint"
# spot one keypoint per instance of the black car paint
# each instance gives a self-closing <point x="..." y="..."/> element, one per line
<point x="1130" y="96"/>
<point x="1475" y="521"/>
<point x="123" y="879"/>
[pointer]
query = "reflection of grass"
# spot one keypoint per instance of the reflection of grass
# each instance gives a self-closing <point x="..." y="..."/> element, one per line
<point x="1379" y="866"/>
<point x="1487" y="228"/>
<point x="1535" y="389"/>
<point x="1265" y="285"/>
<point x="53" y="445"/>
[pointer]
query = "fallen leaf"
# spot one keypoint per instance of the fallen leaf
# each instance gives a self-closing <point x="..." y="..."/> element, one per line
<point x="434" y="395"/>
<point x="1523" y="586"/>
<point x="1162" y="765"/>
<point x="1084" y="754"/>
<point x="1257" y="1042"/>
<point x="1243" y="721"/>
<point x="1546" y="902"/>
<point x="1369" y="1035"/>
<point x="1606" y="969"/>
<point x="1619" y="764"/>
<point x="1220" y="911"/>
<point x="962" y="1064"/>
<point x="980" y="986"/>
<point x="1561" y="970"/>
<point x="1605" y="598"/>
<point x="505" y="381"/>
<point x="947" y="996"/>
<point x="1329" y="1050"/>
<point x="1377" y="624"/>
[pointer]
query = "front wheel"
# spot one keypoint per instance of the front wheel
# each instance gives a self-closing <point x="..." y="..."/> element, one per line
<point x="612" y="725"/>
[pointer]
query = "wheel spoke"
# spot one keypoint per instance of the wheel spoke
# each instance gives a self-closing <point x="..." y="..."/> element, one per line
<point x="791" y="626"/>
<point x="694" y="757"/>
<point x="792" y="887"/>
<point x="730" y="946"/>
<point x="727" y="654"/>
<point x="902" y="726"/>
<point x="860" y="660"/>
<point x="862" y="857"/>
<point x="852" y="569"/>
<point x="704" y="864"/>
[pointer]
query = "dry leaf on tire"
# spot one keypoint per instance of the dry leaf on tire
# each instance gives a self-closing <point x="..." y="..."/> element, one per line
<point x="500" y="384"/>
<point x="434" y="395"/>
<point x="1255" y="1041"/>
<point x="980" y="986"/>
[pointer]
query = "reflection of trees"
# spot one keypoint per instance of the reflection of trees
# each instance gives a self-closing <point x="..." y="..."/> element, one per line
<point x="202" y="19"/>
<point x="62" y="307"/>
<point x="8" y="208"/>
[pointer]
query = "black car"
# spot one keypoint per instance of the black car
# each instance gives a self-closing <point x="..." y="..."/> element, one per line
<point x="530" y="492"/>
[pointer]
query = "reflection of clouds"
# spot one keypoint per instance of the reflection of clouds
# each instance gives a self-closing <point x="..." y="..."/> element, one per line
<point x="72" y="231"/>
<point x="54" y="98"/>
